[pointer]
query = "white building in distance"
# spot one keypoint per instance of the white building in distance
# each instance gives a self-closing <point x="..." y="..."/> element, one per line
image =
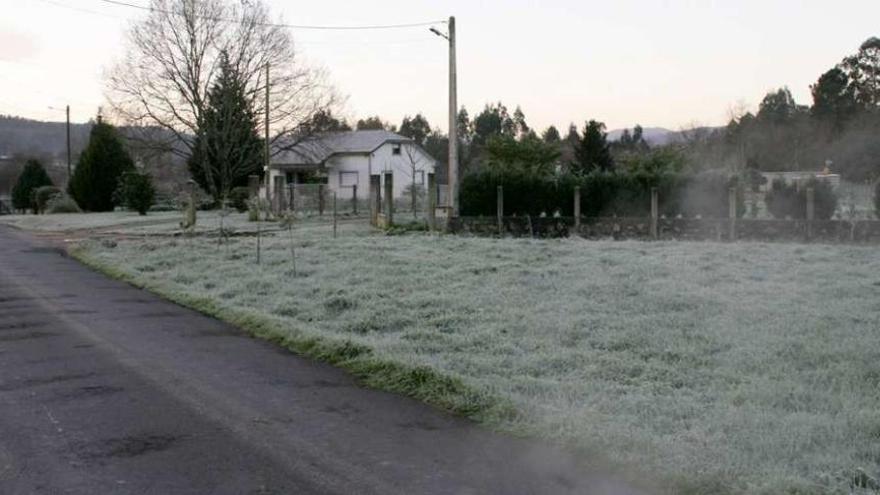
<point x="345" y="159"/>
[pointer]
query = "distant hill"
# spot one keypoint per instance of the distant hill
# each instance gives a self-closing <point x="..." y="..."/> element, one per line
<point x="657" y="136"/>
<point x="19" y="136"/>
<point x="21" y="139"/>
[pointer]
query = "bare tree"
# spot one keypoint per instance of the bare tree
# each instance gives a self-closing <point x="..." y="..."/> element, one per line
<point x="174" y="55"/>
<point x="414" y="161"/>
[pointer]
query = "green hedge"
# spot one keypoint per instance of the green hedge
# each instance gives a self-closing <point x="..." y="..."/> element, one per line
<point x="602" y="194"/>
<point x="788" y="201"/>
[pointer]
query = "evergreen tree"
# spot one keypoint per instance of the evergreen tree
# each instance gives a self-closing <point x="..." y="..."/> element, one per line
<point x="863" y="70"/>
<point x="551" y="135"/>
<point x="228" y="148"/>
<point x="324" y="121"/>
<point x="592" y="151"/>
<point x="521" y="129"/>
<point x="374" y="123"/>
<point x="573" y="137"/>
<point x="416" y="128"/>
<point x="834" y="99"/>
<point x="32" y="177"/>
<point x="100" y="166"/>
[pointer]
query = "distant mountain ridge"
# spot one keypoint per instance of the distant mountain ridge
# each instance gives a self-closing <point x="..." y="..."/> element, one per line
<point x="20" y="136"/>
<point x="658" y="136"/>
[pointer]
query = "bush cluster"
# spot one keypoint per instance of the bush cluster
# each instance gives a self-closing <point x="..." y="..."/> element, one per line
<point x="135" y="191"/>
<point x="602" y="194"/>
<point x="62" y="203"/>
<point x="238" y="198"/>
<point x="42" y="195"/>
<point x="786" y="200"/>
<point x="32" y="177"/>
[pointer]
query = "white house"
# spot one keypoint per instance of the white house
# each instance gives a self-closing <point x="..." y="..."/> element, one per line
<point x="344" y="159"/>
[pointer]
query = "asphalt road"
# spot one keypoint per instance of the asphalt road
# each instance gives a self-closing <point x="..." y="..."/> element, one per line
<point x="107" y="389"/>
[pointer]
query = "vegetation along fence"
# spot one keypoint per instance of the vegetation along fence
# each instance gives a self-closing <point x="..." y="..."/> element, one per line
<point x="704" y="207"/>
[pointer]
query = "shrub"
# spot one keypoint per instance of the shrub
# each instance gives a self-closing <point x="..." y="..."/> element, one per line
<point x="602" y="194"/>
<point x="42" y="195"/>
<point x="32" y="177"/>
<point x="256" y="206"/>
<point x="62" y="203"/>
<point x="238" y="198"/>
<point x="136" y="191"/>
<point x="788" y="201"/>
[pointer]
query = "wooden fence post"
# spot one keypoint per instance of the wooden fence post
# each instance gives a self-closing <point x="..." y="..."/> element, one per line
<point x="374" y="198"/>
<point x="334" y="214"/>
<point x="432" y="202"/>
<point x="354" y="199"/>
<point x="577" y="208"/>
<point x="320" y="200"/>
<point x="811" y="211"/>
<point x="389" y="199"/>
<point x="731" y="195"/>
<point x="500" y="212"/>
<point x="655" y="213"/>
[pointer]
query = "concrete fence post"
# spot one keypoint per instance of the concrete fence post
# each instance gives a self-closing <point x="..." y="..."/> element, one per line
<point x="811" y="211"/>
<point x="655" y="213"/>
<point x="291" y="190"/>
<point x="375" y="195"/>
<point x="577" y="208"/>
<point x="354" y="199"/>
<point x="253" y="185"/>
<point x="432" y="201"/>
<point x="278" y="193"/>
<point x="389" y="200"/>
<point x="731" y="195"/>
<point x="500" y="212"/>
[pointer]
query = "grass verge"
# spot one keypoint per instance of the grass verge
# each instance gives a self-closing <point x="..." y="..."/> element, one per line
<point x="419" y="382"/>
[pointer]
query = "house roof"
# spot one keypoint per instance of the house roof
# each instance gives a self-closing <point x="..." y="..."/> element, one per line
<point x="316" y="150"/>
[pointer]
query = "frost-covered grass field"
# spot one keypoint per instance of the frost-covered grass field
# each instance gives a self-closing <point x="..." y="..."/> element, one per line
<point x="88" y="221"/>
<point x="717" y="368"/>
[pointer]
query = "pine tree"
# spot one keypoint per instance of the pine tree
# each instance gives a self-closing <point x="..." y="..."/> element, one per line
<point x="32" y="177"/>
<point x="228" y="147"/>
<point x="100" y="166"/>
<point x="592" y="151"/>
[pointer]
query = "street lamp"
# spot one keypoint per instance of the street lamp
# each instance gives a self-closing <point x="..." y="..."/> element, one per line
<point x="452" y="174"/>
<point x="67" y="112"/>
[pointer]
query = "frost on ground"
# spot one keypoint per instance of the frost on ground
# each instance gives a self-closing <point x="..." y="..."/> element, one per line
<point x="745" y="368"/>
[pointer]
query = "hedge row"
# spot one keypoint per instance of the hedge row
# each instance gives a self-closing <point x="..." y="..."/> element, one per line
<point x="602" y="194"/>
<point x="790" y="201"/>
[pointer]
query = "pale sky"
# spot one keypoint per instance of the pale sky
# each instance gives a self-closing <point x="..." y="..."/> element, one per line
<point x="658" y="63"/>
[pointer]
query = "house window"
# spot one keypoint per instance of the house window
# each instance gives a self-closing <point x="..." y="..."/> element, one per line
<point x="348" y="179"/>
<point x="395" y="150"/>
<point x="419" y="177"/>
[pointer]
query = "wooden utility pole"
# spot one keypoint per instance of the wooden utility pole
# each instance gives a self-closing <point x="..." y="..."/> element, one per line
<point x="69" y="176"/>
<point x="266" y="166"/>
<point x="453" y="123"/>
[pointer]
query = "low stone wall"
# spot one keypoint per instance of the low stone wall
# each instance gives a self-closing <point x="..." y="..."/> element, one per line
<point x="690" y="229"/>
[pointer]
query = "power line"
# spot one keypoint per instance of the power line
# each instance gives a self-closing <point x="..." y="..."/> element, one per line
<point x="284" y="25"/>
